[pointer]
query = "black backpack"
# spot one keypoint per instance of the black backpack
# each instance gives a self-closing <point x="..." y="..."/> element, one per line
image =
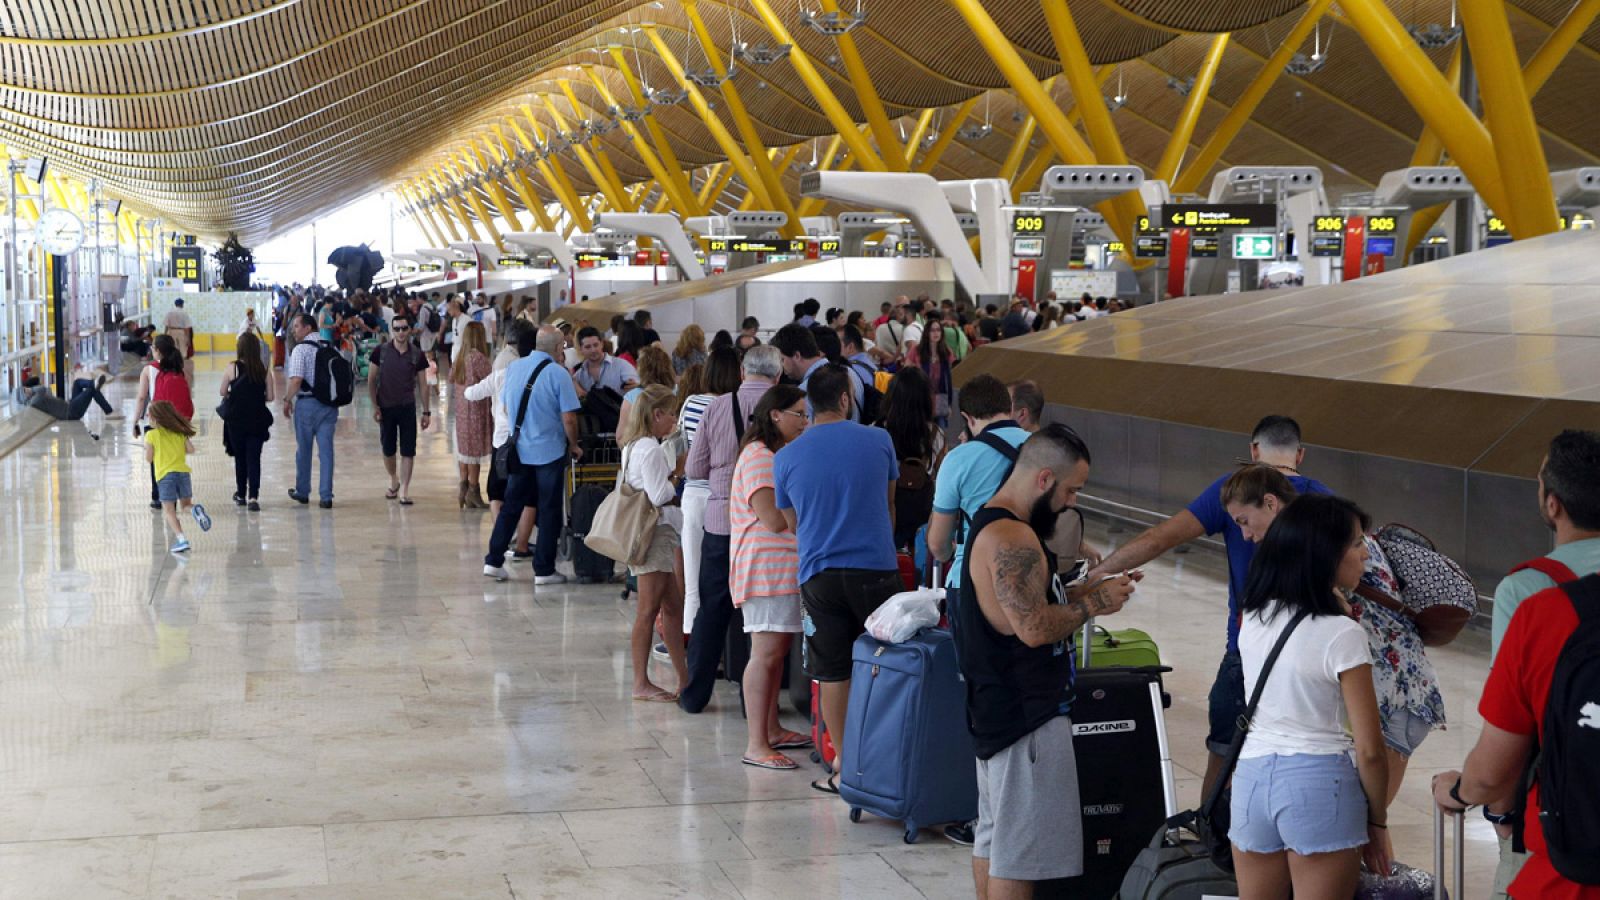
<point x="1003" y="447"/>
<point x="871" y="397"/>
<point x="336" y="380"/>
<point x="1569" y="780"/>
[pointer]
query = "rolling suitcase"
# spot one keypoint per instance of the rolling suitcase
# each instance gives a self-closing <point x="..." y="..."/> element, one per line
<point x="1099" y="648"/>
<point x="908" y="751"/>
<point x="1125" y="782"/>
<point x="589" y="567"/>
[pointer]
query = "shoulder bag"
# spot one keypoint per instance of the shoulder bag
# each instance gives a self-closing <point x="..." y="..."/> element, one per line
<point x="506" y="462"/>
<point x="625" y="523"/>
<point x="1215" y="814"/>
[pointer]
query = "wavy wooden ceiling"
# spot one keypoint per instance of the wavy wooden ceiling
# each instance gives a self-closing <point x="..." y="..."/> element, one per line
<point x="256" y="115"/>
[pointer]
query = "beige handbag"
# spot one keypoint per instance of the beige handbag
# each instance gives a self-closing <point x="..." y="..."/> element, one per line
<point x="625" y="523"/>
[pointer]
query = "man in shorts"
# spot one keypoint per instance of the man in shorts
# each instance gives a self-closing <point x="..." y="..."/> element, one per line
<point x="1013" y="631"/>
<point x="398" y="376"/>
<point x="843" y="521"/>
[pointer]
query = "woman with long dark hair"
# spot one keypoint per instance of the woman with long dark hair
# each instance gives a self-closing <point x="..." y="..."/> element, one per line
<point x="247" y="389"/>
<point x="765" y="580"/>
<point x="918" y="446"/>
<point x="1301" y="811"/>
<point x="630" y="340"/>
<point x="932" y="355"/>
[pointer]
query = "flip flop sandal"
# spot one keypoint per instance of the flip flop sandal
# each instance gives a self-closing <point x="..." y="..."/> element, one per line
<point x="776" y="761"/>
<point x="406" y="501"/>
<point x="793" y="740"/>
<point x="829" y="785"/>
<point x="391" y="493"/>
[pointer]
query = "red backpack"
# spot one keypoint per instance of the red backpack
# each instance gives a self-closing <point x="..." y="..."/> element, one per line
<point x="174" y="388"/>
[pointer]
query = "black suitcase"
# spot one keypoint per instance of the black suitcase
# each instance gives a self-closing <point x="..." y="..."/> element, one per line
<point x="590" y="567"/>
<point x="1125" y="784"/>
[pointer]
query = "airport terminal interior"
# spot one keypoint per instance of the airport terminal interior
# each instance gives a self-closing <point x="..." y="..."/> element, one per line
<point x="276" y="273"/>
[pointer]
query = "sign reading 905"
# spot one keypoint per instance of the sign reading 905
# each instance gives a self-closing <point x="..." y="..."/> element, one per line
<point x="1381" y="225"/>
<point x="1027" y="223"/>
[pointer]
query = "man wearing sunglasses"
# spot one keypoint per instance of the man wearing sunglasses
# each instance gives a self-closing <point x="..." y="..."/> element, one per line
<point x="398" y="376"/>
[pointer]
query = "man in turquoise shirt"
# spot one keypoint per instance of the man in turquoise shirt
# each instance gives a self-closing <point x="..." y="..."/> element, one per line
<point x="972" y="472"/>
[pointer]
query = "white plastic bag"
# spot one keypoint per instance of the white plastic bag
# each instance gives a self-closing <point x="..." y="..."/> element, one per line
<point x="903" y="615"/>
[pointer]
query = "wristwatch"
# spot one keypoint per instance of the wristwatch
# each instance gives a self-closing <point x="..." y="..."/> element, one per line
<point x="1509" y="817"/>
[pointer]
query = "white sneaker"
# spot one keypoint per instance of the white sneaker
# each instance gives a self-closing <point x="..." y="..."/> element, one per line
<point x="498" y="573"/>
<point x="556" y="578"/>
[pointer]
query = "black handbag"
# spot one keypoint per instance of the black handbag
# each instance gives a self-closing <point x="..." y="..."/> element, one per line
<point x="1212" y="820"/>
<point x="505" y="462"/>
<point x="225" y="408"/>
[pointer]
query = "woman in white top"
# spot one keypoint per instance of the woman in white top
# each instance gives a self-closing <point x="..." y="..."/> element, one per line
<point x="645" y="467"/>
<point x="721" y="376"/>
<point x="519" y="343"/>
<point x="1301" y="811"/>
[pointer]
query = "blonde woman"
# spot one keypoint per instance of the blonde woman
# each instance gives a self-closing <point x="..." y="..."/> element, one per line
<point x="691" y="349"/>
<point x="646" y="468"/>
<point x="474" y="418"/>
<point x="655" y="367"/>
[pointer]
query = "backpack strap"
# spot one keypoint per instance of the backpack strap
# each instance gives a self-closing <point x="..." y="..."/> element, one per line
<point x="1555" y="570"/>
<point x="1001" y="446"/>
<point x="1248" y="716"/>
<point x="738" y="416"/>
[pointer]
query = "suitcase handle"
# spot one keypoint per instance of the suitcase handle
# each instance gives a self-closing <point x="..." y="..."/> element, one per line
<point x="1458" y="861"/>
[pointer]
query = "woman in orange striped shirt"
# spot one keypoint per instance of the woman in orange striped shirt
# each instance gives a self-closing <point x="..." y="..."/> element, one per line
<point x="765" y="580"/>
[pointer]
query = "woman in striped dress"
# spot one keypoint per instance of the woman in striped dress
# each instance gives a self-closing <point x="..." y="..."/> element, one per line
<point x="765" y="580"/>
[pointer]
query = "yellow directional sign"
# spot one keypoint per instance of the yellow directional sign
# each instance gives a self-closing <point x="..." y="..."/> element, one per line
<point x="1220" y="215"/>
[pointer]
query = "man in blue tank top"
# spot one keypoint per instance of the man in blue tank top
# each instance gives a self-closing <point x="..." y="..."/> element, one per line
<point x="1013" y="631"/>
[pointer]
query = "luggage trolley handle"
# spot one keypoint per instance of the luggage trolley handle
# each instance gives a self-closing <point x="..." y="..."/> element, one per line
<point x="1458" y="859"/>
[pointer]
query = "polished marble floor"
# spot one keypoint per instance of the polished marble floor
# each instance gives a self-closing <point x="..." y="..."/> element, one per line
<point x="336" y="704"/>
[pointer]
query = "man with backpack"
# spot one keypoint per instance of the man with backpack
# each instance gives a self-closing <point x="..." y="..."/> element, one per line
<point x="320" y="381"/>
<point x="1569" y="504"/>
<point x="1543" y="693"/>
<point x="802" y="356"/>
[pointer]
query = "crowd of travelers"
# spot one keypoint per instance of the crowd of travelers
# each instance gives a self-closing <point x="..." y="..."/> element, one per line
<point x="779" y="477"/>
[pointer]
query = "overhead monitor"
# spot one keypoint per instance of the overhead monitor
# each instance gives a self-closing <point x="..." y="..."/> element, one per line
<point x="1380" y="246"/>
<point x="1027" y="247"/>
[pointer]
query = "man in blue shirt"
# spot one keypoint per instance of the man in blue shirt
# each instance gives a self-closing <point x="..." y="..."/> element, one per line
<point x="1275" y="442"/>
<point x="802" y="356"/>
<point x="842" y="517"/>
<point x="861" y="362"/>
<point x="972" y="472"/>
<point x="546" y="437"/>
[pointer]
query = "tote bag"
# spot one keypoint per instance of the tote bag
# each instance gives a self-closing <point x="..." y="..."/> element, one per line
<point x="625" y="523"/>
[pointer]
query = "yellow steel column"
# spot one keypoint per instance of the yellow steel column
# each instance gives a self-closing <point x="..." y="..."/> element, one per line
<point x="501" y="201"/>
<point x="1183" y="129"/>
<point x="440" y="218"/>
<point x="424" y="216"/>
<point x="1430" y="152"/>
<point x="1081" y="77"/>
<point x="924" y="119"/>
<point x="811" y="205"/>
<point x="715" y="183"/>
<point x="601" y="155"/>
<point x="867" y="95"/>
<point x="770" y="179"/>
<point x="719" y="132"/>
<point x="947" y="134"/>
<point x="1245" y="106"/>
<point x="1031" y="174"/>
<point x="463" y="172"/>
<point x="524" y="187"/>
<point x="454" y="203"/>
<point x="1560" y="42"/>
<point x="668" y="157"/>
<point x="610" y="190"/>
<point x="663" y="176"/>
<point x="1466" y="138"/>
<point x="1052" y="121"/>
<point x="554" y="175"/>
<point x="842" y="123"/>
<point x="1517" y="146"/>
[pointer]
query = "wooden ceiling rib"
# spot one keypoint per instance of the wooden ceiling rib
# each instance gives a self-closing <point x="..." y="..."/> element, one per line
<point x="257" y="115"/>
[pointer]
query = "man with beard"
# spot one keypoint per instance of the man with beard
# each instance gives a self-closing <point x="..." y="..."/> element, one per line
<point x="1013" y="631"/>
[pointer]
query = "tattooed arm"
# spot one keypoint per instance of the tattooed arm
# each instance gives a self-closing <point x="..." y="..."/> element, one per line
<point x="1022" y="587"/>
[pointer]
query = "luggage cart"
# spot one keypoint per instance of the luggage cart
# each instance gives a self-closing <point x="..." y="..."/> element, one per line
<point x="599" y="466"/>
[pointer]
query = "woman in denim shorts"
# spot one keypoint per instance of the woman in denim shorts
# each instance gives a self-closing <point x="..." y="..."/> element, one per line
<point x="1302" y="810"/>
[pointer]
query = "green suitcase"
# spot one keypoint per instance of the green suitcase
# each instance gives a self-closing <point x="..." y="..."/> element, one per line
<point x="1099" y="648"/>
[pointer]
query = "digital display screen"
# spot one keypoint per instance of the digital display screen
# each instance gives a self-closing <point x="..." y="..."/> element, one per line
<point x="1329" y="225"/>
<point x="1203" y="247"/>
<point x="1027" y="247"/>
<point x="1150" y="247"/>
<point x="1382" y="224"/>
<point x="1027" y="223"/>
<point x="1327" y="245"/>
<point x="1380" y="246"/>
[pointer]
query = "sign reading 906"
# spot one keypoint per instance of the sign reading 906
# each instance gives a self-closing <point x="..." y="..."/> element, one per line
<point x="1027" y="223"/>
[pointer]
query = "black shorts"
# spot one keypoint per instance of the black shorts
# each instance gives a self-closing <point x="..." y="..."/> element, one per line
<point x="837" y="603"/>
<point x="399" y="426"/>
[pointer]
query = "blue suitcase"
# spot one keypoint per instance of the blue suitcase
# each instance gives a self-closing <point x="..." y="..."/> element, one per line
<point x="906" y="744"/>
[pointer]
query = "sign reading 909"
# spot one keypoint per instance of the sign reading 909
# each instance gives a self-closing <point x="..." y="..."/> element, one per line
<point x="1027" y="223"/>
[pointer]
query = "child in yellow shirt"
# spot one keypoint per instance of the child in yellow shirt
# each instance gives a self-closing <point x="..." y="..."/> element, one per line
<point x="167" y="446"/>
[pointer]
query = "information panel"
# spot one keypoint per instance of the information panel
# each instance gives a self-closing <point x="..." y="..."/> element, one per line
<point x="187" y="262"/>
<point x="1220" y="215"/>
<point x="1328" y="225"/>
<point x="1201" y="247"/>
<point x="1382" y="225"/>
<point x="1027" y="223"/>
<point x="1327" y="245"/>
<point x="1381" y="246"/>
<point x="1147" y="247"/>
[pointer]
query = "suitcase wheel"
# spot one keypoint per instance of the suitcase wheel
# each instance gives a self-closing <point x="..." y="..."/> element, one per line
<point x="911" y="835"/>
<point x="855" y="815"/>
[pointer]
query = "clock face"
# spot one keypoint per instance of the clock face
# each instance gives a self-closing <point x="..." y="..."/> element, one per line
<point x="60" y="232"/>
